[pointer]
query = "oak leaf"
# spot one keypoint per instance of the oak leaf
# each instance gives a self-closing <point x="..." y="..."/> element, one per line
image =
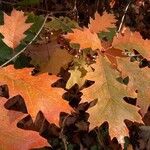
<point x="14" y="27"/>
<point x="64" y="24"/>
<point x="85" y="38"/>
<point x="110" y="105"/>
<point x="36" y="91"/>
<point x="13" y="138"/>
<point x="112" y="54"/>
<point x="139" y="81"/>
<point x="132" y="41"/>
<point x="102" y="23"/>
<point x="76" y="77"/>
<point x="78" y="73"/>
<point x="49" y="57"/>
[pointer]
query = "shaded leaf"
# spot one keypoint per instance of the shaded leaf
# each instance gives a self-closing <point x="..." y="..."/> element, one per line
<point x="64" y="24"/>
<point x="11" y="137"/>
<point x="28" y="2"/>
<point x="49" y="57"/>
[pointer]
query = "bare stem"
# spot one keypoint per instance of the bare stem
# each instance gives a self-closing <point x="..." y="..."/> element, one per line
<point x="123" y="17"/>
<point x="62" y="136"/>
<point x="15" y="56"/>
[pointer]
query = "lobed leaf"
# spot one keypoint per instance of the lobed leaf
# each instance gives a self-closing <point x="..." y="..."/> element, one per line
<point x="36" y="91"/>
<point x="132" y="41"/>
<point x="102" y="23"/>
<point x="85" y="38"/>
<point x="14" y="138"/>
<point x="110" y="106"/>
<point x="139" y="81"/>
<point x="14" y="28"/>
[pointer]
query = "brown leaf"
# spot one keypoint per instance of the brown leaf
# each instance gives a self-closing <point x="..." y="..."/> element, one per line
<point x="49" y="57"/>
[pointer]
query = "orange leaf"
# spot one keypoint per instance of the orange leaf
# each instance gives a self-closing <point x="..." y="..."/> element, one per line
<point x="13" y="138"/>
<point x="102" y="23"/>
<point x="36" y="91"/>
<point x="14" y="28"/>
<point x="132" y="40"/>
<point x="112" y="55"/>
<point x="85" y="38"/>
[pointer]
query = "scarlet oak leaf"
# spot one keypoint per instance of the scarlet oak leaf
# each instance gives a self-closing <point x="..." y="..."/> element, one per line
<point x="112" y="54"/>
<point x="110" y="106"/>
<point x="139" y="81"/>
<point x="36" y="91"/>
<point x="13" y="138"/>
<point x="85" y="38"/>
<point x="102" y="23"/>
<point x="14" y="28"/>
<point x="132" y="41"/>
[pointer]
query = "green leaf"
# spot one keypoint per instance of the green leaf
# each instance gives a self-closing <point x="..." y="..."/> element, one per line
<point x="22" y="61"/>
<point x="37" y="22"/>
<point x="108" y="35"/>
<point x="64" y="24"/>
<point x="28" y="2"/>
<point x="5" y="51"/>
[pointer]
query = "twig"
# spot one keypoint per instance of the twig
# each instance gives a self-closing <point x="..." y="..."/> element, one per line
<point x="76" y="10"/>
<point x="98" y="138"/>
<point x="61" y="133"/>
<point x="51" y="13"/>
<point x="97" y="4"/>
<point x="122" y="20"/>
<point x="15" y="56"/>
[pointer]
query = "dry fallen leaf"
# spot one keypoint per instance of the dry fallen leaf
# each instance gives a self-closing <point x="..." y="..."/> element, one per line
<point x="132" y="41"/>
<point x="13" y="138"/>
<point x="112" y="54"/>
<point x="102" y="23"/>
<point x="49" y="57"/>
<point x="85" y="38"/>
<point x="110" y="105"/>
<point x="14" y="27"/>
<point x="36" y="91"/>
<point x="139" y="81"/>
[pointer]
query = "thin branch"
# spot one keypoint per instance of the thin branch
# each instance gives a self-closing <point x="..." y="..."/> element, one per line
<point x="15" y="56"/>
<point x="97" y="5"/>
<point x="62" y="136"/>
<point x="122" y="20"/>
<point x="76" y="10"/>
<point x="51" y="13"/>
